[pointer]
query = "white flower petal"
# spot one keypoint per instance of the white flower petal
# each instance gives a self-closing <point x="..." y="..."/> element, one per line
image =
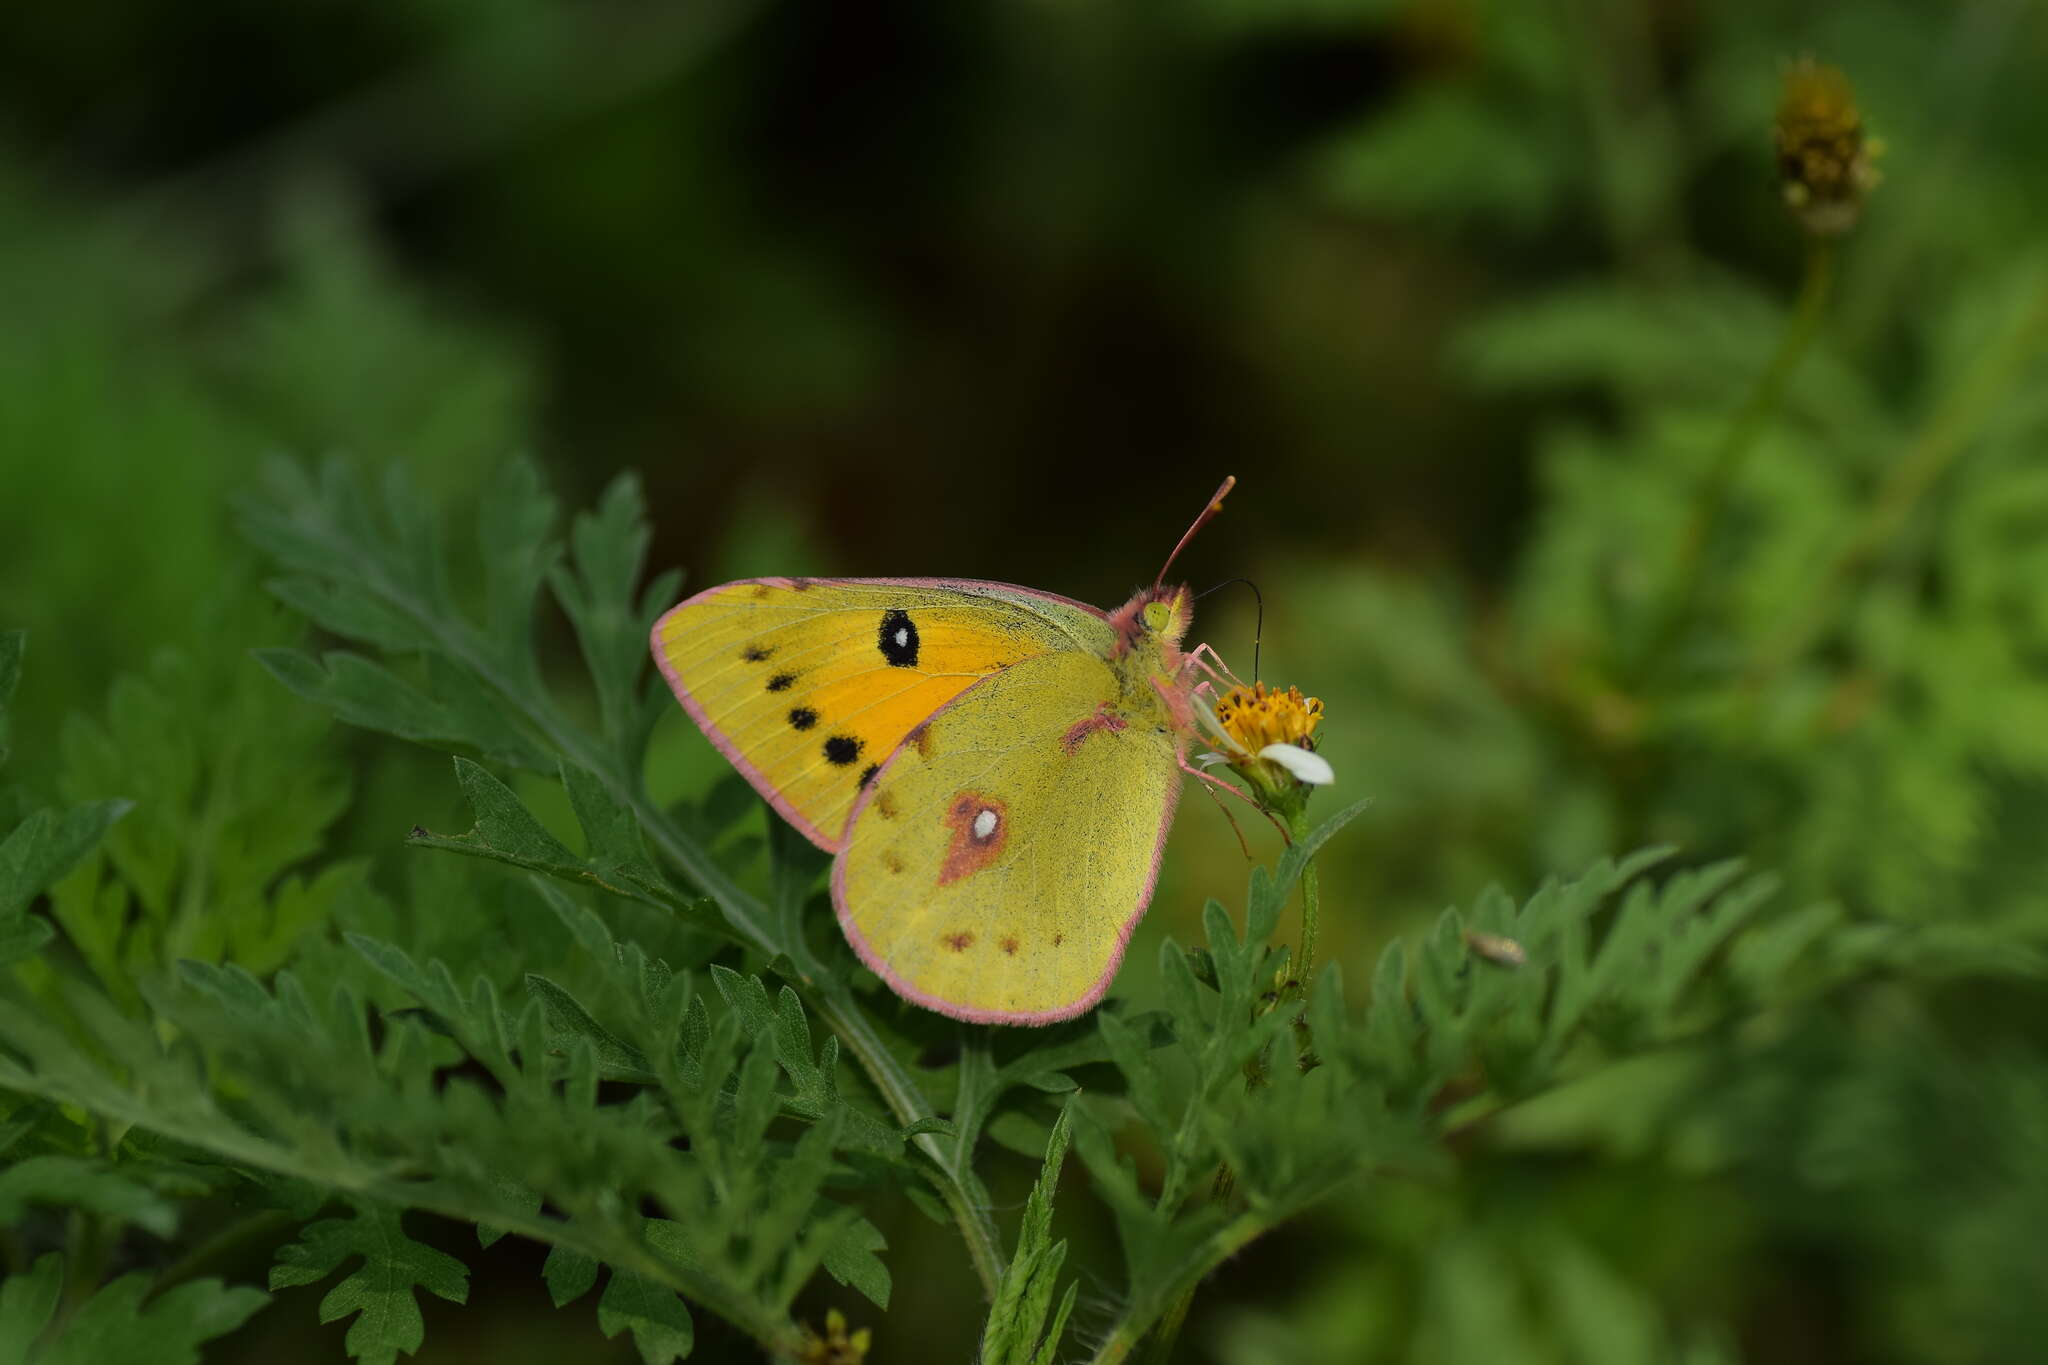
<point x="1205" y="710"/>
<point x="1307" y="767"/>
<point x="1208" y="760"/>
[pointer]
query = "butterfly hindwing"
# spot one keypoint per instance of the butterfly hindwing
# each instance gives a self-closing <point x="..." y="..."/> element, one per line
<point x="808" y="685"/>
<point x="997" y="863"/>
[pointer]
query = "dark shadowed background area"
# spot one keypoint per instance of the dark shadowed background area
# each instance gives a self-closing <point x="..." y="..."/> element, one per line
<point x="1469" y="294"/>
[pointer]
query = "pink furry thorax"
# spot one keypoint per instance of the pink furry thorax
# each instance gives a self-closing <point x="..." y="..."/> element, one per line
<point x="1148" y="647"/>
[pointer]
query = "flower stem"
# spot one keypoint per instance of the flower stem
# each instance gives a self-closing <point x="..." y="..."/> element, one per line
<point x="1311" y="901"/>
<point x="1941" y="442"/>
<point x="1763" y="403"/>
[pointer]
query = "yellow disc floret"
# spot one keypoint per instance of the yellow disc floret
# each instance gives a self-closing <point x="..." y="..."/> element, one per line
<point x="1256" y="716"/>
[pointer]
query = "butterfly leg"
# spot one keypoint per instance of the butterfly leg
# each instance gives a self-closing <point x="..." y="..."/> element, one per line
<point x="1240" y="793"/>
<point x="1204" y="657"/>
<point x="1235" y="828"/>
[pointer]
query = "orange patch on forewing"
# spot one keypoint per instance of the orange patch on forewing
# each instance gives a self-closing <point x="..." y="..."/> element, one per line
<point x="977" y="840"/>
<point x="959" y="942"/>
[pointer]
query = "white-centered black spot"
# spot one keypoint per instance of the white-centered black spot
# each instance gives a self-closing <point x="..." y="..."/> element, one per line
<point x="897" y="639"/>
<point x="842" y="749"/>
<point x="985" y="822"/>
<point x="802" y="718"/>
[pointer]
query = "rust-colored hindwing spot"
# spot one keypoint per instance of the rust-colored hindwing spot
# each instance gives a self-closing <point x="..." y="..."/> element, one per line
<point x="922" y="738"/>
<point x="1008" y="945"/>
<point x="885" y="805"/>
<point x="981" y="827"/>
<point x="959" y="942"/>
<point x="1102" y="719"/>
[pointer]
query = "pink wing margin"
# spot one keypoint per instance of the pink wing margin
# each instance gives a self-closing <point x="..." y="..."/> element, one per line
<point x="1089" y="998"/>
<point x="758" y="779"/>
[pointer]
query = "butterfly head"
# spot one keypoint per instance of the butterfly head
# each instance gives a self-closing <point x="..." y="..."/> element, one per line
<point x="1154" y="621"/>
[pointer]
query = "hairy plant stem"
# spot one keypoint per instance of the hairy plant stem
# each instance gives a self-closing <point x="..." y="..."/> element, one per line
<point x="223" y="1244"/>
<point x="1764" y="401"/>
<point x="1129" y="1331"/>
<point x="1939" y="444"/>
<point x="1167" y="1335"/>
<point x="899" y="1092"/>
<point x="1311" y="901"/>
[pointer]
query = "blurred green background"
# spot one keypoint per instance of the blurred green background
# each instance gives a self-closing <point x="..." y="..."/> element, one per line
<point x="1464" y="291"/>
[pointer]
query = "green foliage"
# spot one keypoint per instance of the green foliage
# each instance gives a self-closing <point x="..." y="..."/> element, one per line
<point x="1018" y="1331"/>
<point x="663" y="1117"/>
<point x="233" y="792"/>
<point x="1602" y="510"/>
<point x="380" y="1293"/>
<point x="122" y="1321"/>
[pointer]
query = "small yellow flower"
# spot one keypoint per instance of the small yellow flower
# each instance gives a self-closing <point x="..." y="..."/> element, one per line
<point x="1824" y="160"/>
<point x="1268" y="738"/>
<point x="1256" y="716"/>
<point x="837" y="1346"/>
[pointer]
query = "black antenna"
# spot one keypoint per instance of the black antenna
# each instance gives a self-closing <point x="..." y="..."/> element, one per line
<point x="1259" y="626"/>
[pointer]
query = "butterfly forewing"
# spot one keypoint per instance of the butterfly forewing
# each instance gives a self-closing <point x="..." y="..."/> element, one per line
<point x="808" y="685"/>
<point x="996" y="864"/>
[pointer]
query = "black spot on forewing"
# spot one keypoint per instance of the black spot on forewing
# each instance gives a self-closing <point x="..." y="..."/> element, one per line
<point x="802" y="718"/>
<point x="842" y="749"/>
<point x="755" y="654"/>
<point x="780" y="681"/>
<point x="867" y="774"/>
<point x="898" y="639"/>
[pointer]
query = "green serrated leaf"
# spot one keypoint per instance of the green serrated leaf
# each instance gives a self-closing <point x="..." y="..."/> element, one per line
<point x="26" y="1302"/>
<point x="507" y="832"/>
<point x="381" y="1292"/>
<point x="1017" y="1332"/>
<point x="850" y="1259"/>
<point x="119" y="1323"/>
<point x="75" y="1182"/>
<point x="569" y="1021"/>
<point x="653" y="1313"/>
<point x="569" y="1274"/>
<point x="124" y="1322"/>
<point x="45" y="847"/>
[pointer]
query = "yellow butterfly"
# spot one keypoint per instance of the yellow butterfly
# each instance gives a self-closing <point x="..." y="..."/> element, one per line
<point x="995" y="767"/>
